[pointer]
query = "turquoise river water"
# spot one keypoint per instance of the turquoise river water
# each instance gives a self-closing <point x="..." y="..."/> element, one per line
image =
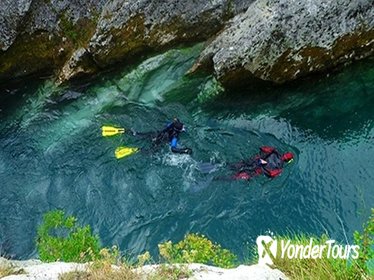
<point x="52" y="155"/>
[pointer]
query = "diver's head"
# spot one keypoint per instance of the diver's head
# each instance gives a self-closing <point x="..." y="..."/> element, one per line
<point x="287" y="157"/>
<point x="178" y="125"/>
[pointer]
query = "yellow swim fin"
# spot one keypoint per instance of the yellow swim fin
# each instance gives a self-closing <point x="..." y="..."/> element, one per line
<point x="110" y="130"/>
<point x="122" y="152"/>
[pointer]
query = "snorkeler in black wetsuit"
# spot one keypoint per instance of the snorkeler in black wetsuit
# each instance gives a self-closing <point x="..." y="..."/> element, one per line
<point x="171" y="134"/>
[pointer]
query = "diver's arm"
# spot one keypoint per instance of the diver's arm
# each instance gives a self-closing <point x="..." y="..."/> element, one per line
<point x="174" y="142"/>
<point x="160" y="136"/>
<point x="177" y="150"/>
<point x="181" y="150"/>
<point x="168" y="127"/>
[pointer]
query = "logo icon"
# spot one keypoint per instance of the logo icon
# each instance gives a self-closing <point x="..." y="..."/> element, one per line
<point x="266" y="248"/>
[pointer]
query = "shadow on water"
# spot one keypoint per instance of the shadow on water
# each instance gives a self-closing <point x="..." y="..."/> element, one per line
<point x="332" y="107"/>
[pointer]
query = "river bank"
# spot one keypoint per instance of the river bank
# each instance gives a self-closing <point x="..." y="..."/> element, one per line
<point x="36" y="270"/>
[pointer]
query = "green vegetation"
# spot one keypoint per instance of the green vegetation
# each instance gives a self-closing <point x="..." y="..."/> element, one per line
<point x="366" y="243"/>
<point x="78" y="33"/>
<point x="330" y="268"/>
<point x="59" y="238"/>
<point x="320" y="268"/>
<point x="196" y="248"/>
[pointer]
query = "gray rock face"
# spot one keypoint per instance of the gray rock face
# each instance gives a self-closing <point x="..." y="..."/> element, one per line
<point x="279" y="40"/>
<point x="79" y="64"/>
<point x="11" y="14"/>
<point x="275" y="40"/>
<point x="41" y="34"/>
<point x="130" y="27"/>
<point x="36" y="35"/>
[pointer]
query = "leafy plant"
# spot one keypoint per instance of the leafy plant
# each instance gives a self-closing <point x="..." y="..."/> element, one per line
<point x="309" y="268"/>
<point x="199" y="249"/>
<point x="366" y="243"/>
<point x="330" y="268"/>
<point x="143" y="259"/>
<point x="59" y="238"/>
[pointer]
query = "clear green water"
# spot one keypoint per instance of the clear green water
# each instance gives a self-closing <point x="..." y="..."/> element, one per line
<point x="53" y="156"/>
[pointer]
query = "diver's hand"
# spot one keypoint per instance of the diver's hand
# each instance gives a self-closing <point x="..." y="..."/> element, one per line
<point x="188" y="151"/>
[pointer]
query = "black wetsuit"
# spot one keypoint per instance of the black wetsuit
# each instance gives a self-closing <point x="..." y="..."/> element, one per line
<point x="171" y="132"/>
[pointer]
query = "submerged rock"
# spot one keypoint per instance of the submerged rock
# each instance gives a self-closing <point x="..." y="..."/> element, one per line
<point x="279" y="41"/>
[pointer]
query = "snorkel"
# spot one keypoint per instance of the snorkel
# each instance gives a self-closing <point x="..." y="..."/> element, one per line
<point x="287" y="157"/>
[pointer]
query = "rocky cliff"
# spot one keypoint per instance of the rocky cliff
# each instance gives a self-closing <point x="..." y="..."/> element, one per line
<point x="75" y="37"/>
<point x="273" y="40"/>
<point x="279" y="40"/>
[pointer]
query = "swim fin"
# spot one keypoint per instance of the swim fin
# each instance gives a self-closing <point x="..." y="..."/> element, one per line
<point x="111" y="131"/>
<point x="207" y="167"/>
<point x="122" y="152"/>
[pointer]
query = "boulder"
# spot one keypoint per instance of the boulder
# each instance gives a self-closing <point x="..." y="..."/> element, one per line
<point x="127" y="28"/>
<point x="279" y="40"/>
<point x="40" y="35"/>
<point x="79" y="64"/>
<point x="49" y="35"/>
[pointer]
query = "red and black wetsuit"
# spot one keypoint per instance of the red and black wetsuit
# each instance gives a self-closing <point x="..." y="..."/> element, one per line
<point x="253" y="167"/>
